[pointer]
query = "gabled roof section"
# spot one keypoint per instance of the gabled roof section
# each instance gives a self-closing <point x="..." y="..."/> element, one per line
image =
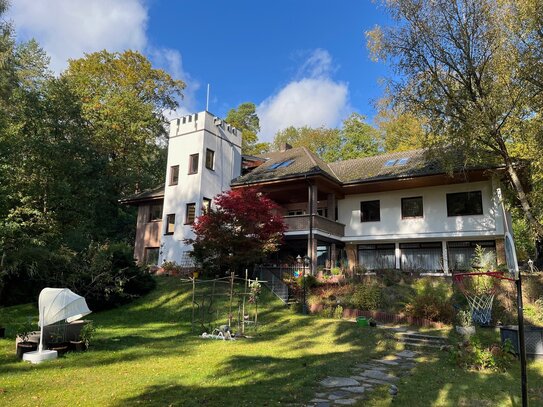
<point x="398" y="165"/>
<point x="294" y="162"/>
<point x="386" y="166"/>
<point x="147" y="195"/>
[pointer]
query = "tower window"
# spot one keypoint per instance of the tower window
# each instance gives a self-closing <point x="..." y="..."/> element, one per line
<point x="210" y="159"/>
<point x="174" y="174"/>
<point x="193" y="163"/>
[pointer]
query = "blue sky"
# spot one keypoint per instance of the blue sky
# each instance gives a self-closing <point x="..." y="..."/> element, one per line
<point x="301" y="62"/>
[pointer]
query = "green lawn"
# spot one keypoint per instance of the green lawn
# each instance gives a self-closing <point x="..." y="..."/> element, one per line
<point x="145" y="353"/>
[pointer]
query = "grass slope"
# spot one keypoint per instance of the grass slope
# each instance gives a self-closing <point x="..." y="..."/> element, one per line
<point x="145" y="354"/>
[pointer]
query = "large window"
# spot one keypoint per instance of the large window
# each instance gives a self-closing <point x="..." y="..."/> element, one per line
<point x="151" y="255"/>
<point x="377" y="256"/>
<point x="206" y="205"/>
<point x="174" y="174"/>
<point x="461" y="253"/>
<point x="412" y="207"/>
<point x="370" y="211"/>
<point x="193" y="163"/>
<point x="170" y="223"/>
<point x="191" y="213"/>
<point x="155" y="212"/>
<point x="210" y="159"/>
<point x="465" y="203"/>
<point x="421" y="256"/>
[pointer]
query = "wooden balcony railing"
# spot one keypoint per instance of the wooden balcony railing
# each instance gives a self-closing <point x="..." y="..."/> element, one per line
<point x="298" y="223"/>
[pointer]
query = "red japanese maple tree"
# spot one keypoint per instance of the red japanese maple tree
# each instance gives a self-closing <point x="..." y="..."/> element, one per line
<point x="243" y="228"/>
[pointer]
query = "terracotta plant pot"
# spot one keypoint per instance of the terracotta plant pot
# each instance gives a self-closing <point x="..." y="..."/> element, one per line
<point x="78" y="346"/>
<point x="23" y="347"/>
<point x="466" y="331"/>
<point x="61" y="347"/>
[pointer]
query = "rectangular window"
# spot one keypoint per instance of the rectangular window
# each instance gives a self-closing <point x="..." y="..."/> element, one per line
<point x="295" y="213"/>
<point x="155" y="212"/>
<point x="191" y="213"/>
<point x="421" y="256"/>
<point x="174" y="174"/>
<point x="210" y="159"/>
<point x="465" y="203"/>
<point x="370" y="211"/>
<point x="461" y="253"/>
<point x="151" y="255"/>
<point x="193" y="163"/>
<point x="206" y="205"/>
<point x="322" y="212"/>
<point x="377" y="256"/>
<point x="412" y="207"/>
<point x="170" y="224"/>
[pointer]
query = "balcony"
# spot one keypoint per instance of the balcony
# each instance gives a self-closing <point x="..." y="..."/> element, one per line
<point x="300" y="223"/>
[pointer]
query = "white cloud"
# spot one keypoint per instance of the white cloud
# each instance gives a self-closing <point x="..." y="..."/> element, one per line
<point x="314" y="99"/>
<point x="172" y="62"/>
<point x="68" y="28"/>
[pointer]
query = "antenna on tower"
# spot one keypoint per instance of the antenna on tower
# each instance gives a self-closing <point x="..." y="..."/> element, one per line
<point x="207" y="99"/>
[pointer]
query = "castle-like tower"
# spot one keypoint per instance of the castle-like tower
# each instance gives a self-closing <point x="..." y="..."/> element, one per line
<point x="204" y="156"/>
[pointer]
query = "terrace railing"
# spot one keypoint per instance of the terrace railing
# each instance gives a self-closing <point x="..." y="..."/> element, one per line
<point x="298" y="223"/>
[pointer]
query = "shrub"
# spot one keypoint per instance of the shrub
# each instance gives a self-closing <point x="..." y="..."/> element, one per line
<point x="472" y="355"/>
<point x="367" y="296"/>
<point x="432" y="300"/>
<point x="327" y="312"/>
<point x="105" y="274"/>
<point x="336" y="271"/>
<point x="338" y="312"/>
<point x="464" y="318"/>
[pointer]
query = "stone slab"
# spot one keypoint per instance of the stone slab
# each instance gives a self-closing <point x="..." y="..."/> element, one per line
<point x="346" y="402"/>
<point x="407" y="354"/>
<point x="388" y="362"/>
<point x="355" y="389"/>
<point x="380" y="375"/>
<point x="339" y="394"/>
<point x="338" y="382"/>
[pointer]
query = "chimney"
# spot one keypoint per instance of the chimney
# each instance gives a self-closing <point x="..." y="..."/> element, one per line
<point x="284" y="147"/>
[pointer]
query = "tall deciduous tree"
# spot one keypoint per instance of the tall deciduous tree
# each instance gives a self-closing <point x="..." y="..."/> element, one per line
<point x="243" y="229"/>
<point x="400" y="131"/>
<point x="355" y="139"/>
<point x="123" y="98"/>
<point x="244" y="118"/>
<point x="458" y="67"/>
<point x="324" y="142"/>
<point x="358" y="138"/>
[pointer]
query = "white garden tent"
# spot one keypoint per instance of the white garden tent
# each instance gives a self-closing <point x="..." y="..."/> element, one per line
<point x="59" y="304"/>
<point x="56" y="304"/>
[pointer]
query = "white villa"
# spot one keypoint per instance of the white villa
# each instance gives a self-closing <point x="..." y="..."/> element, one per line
<point x="393" y="211"/>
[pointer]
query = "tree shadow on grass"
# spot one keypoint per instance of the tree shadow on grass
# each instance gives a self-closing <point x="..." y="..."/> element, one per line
<point x="437" y="381"/>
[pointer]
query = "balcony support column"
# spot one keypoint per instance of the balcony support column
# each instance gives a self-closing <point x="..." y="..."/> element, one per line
<point x="331" y="204"/>
<point x="311" y="241"/>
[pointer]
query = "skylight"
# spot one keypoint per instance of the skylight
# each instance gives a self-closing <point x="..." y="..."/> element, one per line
<point x="403" y="161"/>
<point x="390" y="163"/>
<point x="280" y="165"/>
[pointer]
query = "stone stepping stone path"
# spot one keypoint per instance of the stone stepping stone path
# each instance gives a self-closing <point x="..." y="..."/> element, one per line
<point x="348" y="390"/>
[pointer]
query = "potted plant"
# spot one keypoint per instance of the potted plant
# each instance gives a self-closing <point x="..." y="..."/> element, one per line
<point x="23" y="339"/>
<point x="465" y="325"/>
<point x="84" y="337"/>
<point x="87" y="333"/>
<point x="58" y="341"/>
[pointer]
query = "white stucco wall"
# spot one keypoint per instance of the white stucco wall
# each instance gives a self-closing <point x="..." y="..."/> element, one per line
<point x="434" y="225"/>
<point x="194" y="134"/>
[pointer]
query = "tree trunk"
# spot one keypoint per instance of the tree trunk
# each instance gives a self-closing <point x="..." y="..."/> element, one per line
<point x="521" y="195"/>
